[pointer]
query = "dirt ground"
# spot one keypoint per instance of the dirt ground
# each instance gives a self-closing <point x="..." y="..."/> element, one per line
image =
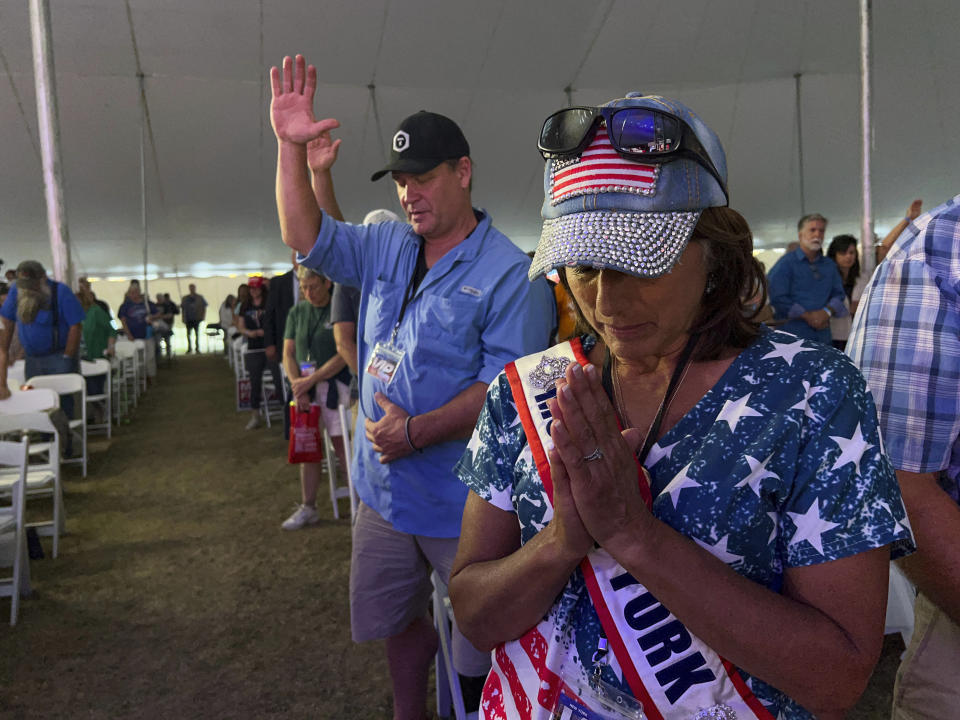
<point x="176" y="594"/>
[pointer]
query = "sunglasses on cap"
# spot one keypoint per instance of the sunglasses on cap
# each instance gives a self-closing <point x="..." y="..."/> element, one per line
<point x="636" y="134"/>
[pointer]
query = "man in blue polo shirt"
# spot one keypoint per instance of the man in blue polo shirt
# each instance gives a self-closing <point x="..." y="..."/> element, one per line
<point x="445" y="305"/>
<point x="806" y="289"/>
<point x="48" y="319"/>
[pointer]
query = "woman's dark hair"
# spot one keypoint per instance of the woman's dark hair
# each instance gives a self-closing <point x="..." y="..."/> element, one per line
<point x="840" y="244"/>
<point x="734" y="278"/>
<point x="248" y="303"/>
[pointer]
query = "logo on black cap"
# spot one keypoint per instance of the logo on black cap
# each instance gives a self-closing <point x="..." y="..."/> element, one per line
<point x="401" y="141"/>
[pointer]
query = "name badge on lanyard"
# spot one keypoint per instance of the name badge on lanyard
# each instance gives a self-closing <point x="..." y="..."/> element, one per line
<point x="386" y="356"/>
<point x="384" y="361"/>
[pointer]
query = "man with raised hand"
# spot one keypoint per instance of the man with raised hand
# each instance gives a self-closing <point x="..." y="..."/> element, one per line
<point x="445" y="305"/>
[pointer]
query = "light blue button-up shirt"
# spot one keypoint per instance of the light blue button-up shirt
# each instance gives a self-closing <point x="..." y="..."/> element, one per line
<point x="798" y="284"/>
<point x="473" y="312"/>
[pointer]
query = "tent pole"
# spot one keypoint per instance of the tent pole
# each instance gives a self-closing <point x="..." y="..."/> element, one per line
<point x="49" y="130"/>
<point x="143" y="196"/>
<point x="799" y="104"/>
<point x="866" y="228"/>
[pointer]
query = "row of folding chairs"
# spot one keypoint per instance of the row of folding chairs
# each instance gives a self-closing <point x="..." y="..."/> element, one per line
<point x="30" y="446"/>
<point x="129" y="376"/>
<point x="13" y="541"/>
<point x="28" y="471"/>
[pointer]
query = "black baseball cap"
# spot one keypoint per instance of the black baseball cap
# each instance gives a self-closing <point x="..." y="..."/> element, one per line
<point x="423" y="141"/>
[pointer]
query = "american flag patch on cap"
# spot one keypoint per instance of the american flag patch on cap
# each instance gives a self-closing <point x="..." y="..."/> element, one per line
<point x="600" y="169"/>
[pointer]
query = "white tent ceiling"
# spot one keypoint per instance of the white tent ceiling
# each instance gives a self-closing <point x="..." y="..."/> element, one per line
<point x="497" y="67"/>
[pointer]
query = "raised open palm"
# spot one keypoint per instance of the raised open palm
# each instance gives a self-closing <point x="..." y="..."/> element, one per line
<point x="291" y="107"/>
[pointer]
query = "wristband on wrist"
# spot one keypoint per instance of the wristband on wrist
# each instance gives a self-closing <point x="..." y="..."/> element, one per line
<point x="406" y="432"/>
<point x="828" y="311"/>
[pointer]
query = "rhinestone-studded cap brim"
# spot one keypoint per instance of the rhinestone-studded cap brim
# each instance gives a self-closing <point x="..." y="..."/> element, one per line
<point x="645" y="244"/>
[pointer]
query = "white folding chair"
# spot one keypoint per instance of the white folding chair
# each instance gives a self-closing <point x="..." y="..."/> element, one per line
<point x="141" y="347"/>
<point x="13" y="458"/>
<point x="331" y="462"/>
<point x="901" y="596"/>
<point x="348" y="453"/>
<point x="29" y="401"/>
<point x="449" y="694"/>
<point x="232" y="334"/>
<point x="275" y="408"/>
<point x="43" y="477"/>
<point x="100" y="368"/>
<point x="239" y="367"/>
<point x="16" y="375"/>
<point x="126" y="353"/>
<point x="69" y="384"/>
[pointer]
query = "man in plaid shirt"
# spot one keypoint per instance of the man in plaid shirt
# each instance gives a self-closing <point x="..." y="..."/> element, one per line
<point x="906" y="341"/>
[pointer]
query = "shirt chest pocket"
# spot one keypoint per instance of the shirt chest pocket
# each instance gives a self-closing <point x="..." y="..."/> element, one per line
<point x="383" y="309"/>
<point x="449" y="327"/>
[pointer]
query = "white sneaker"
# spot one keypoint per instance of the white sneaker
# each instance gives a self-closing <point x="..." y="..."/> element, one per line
<point x="254" y="423"/>
<point x="303" y="515"/>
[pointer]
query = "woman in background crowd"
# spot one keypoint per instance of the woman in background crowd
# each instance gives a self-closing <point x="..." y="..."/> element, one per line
<point x="319" y="376"/>
<point x="843" y="251"/>
<point x="226" y="319"/>
<point x="99" y="336"/>
<point x="251" y="327"/>
<point x="243" y="296"/>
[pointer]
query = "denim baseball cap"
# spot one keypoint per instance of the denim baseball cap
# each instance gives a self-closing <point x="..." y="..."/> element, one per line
<point x="605" y="211"/>
<point x="423" y="141"/>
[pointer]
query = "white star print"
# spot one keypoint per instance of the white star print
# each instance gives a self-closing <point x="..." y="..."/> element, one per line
<point x="775" y="517"/>
<point x="475" y="443"/>
<point x="811" y="527"/>
<point x="680" y="482"/>
<point x="734" y="411"/>
<point x="851" y="449"/>
<point x="804" y="404"/>
<point x="657" y="453"/>
<point x="758" y="473"/>
<point x="720" y="551"/>
<point x="501" y="498"/>
<point x="897" y="527"/>
<point x="787" y="351"/>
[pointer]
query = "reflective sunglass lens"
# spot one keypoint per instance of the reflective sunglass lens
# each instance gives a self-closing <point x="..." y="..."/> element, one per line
<point x="565" y="130"/>
<point x="641" y="131"/>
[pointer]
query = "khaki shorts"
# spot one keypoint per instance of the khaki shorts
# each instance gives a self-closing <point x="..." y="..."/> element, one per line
<point x="390" y="584"/>
<point x="926" y="684"/>
<point x="331" y="418"/>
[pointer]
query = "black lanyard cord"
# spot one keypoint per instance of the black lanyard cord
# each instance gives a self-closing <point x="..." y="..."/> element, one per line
<point x="419" y="271"/>
<point x="654" y="431"/>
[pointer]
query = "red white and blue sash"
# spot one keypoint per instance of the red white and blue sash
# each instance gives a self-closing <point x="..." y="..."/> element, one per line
<point x="671" y="671"/>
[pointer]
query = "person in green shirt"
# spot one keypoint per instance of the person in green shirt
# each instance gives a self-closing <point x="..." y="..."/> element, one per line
<point x="318" y="375"/>
<point x="99" y="335"/>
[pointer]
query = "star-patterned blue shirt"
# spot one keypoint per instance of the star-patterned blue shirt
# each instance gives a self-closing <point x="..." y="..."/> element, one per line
<point x="779" y="465"/>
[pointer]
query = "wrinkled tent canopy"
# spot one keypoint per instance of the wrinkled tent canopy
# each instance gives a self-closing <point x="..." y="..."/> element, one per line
<point x="496" y="67"/>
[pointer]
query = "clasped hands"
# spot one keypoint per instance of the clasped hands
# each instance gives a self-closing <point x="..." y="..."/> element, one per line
<point x="596" y="500"/>
<point x="300" y="387"/>
<point x="817" y="319"/>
